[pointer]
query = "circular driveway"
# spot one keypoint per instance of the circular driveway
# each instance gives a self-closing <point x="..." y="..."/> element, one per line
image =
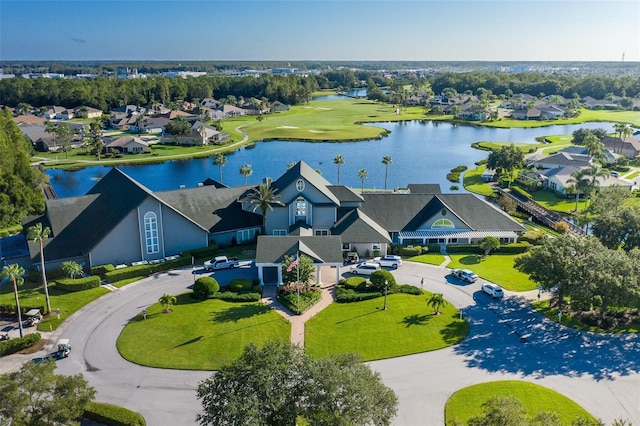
<point x="598" y="372"/>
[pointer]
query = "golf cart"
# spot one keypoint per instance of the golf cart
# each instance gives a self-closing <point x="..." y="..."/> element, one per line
<point x="64" y="348"/>
<point x="351" y="257"/>
<point x="33" y="317"/>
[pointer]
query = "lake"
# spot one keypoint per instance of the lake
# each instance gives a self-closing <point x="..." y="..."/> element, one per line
<point x="421" y="152"/>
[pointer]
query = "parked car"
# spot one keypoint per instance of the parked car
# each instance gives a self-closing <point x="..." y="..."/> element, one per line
<point x="465" y="275"/>
<point x="493" y="290"/>
<point x="365" y="268"/>
<point x="351" y="257"/>
<point x="221" y="262"/>
<point x="388" y="261"/>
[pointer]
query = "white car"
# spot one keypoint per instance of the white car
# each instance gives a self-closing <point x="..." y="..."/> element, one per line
<point x="388" y="261"/>
<point x="465" y="275"/>
<point x="365" y="268"/>
<point x="493" y="290"/>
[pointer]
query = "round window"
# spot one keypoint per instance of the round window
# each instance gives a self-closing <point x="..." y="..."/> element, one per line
<point x="444" y="212"/>
<point x="300" y="185"/>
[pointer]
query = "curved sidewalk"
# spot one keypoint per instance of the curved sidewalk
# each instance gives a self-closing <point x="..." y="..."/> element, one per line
<point x="298" y="321"/>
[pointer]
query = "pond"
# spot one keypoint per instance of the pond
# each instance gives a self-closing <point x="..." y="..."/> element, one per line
<point x="421" y="152"/>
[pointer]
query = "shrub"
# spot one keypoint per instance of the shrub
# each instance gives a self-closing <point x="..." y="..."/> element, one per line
<point x="454" y="187"/>
<point x="8" y="347"/>
<point x="409" y="289"/>
<point x="240" y="285"/>
<point x="378" y="279"/>
<point x="112" y="415"/>
<point x="102" y="269"/>
<point x="464" y="248"/>
<point x="229" y="296"/>
<point x="11" y="309"/>
<point x="308" y="298"/>
<point x="205" y="287"/>
<point x="355" y="283"/>
<point x="144" y="270"/>
<point x="78" y="284"/>
<point x="257" y="289"/>
<point x="410" y="252"/>
<point x="52" y="274"/>
<point x="561" y="227"/>
<point x="345" y="295"/>
<point x="514" y="248"/>
<point x="210" y="251"/>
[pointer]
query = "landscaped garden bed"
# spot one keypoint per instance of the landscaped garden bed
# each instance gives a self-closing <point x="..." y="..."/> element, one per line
<point x="619" y="320"/>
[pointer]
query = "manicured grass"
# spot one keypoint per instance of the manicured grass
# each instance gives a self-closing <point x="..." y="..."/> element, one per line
<point x="631" y="117"/>
<point x="473" y="183"/>
<point x="32" y="294"/>
<point x="199" y="335"/>
<point x="497" y="268"/>
<point x="408" y="326"/>
<point x="467" y="402"/>
<point x="429" y="258"/>
<point x="569" y="321"/>
<point x="550" y="201"/>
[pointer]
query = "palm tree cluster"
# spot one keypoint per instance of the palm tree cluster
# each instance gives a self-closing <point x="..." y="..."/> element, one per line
<point x="363" y="173"/>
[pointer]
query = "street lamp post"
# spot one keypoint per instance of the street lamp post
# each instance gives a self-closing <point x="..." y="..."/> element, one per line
<point x="386" y="283"/>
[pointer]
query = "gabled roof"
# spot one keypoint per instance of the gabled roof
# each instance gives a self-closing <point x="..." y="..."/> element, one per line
<point x="358" y="227"/>
<point x="303" y="170"/>
<point x="404" y="212"/>
<point x="565" y="159"/>
<point x="123" y="141"/>
<point x="345" y="194"/>
<point x="322" y="249"/>
<point x="214" y="209"/>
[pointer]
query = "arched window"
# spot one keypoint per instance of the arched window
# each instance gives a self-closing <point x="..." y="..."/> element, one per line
<point x="443" y="223"/>
<point x="151" y="233"/>
<point x="301" y="209"/>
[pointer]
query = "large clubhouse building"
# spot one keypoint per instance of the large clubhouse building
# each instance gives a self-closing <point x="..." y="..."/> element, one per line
<point x="120" y="221"/>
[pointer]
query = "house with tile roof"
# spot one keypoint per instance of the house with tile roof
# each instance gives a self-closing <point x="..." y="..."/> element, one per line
<point x="121" y="221"/>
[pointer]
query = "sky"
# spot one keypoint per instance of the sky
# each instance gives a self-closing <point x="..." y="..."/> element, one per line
<point x="295" y="30"/>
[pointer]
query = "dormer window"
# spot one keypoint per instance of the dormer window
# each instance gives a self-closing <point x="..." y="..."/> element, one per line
<point x="300" y="185"/>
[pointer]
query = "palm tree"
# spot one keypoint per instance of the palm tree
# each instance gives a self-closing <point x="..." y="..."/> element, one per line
<point x="14" y="273"/>
<point x="386" y="160"/>
<point x="594" y="147"/>
<point x="264" y="197"/>
<point x="220" y="159"/>
<point x="246" y="171"/>
<point x="580" y="182"/>
<point x="436" y="301"/>
<point x="362" y="174"/>
<point x="338" y="161"/>
<point x="167" y="301"/>
<point x="72" y="269"/>
<point x="595" y="172"/>
<point x="37" y="234"/>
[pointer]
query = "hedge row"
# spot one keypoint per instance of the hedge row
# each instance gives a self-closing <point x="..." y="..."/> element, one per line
<point x="230" y="296"/>
<point x="78" y="284"/>
<point x="410" y="252"/>
<point x="8" y="347"/>
<point x="515" y="248"/>
<point x="355" y="283"/>
<point x="102" y="269"/>
<point x="239" y="285"/>
<point x="409" y="289"/>
<point x="52" y="274"/>
<point x="345" y="295"/>
<point x="11" y="309"/>
<point x="210" y="251"/>
<point x="112" y="415"/>
<point x="307" y="300"/>
<point x="145" y="270"/>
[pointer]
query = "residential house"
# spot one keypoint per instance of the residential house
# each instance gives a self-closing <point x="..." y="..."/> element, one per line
<point x="592" y="103"/>
<point x="550" y="111"/>
<point x="128" y="145"/>
<point x="54" y="112"/>
<point x="525" y="113"/>
<point x="629" y="147"/>
<point x="560" y="179"/>
<point x="278" y="106"/>
<point x="150" y="125"/>
<point x="472" y="112"/>
<point x="560" y="159"/>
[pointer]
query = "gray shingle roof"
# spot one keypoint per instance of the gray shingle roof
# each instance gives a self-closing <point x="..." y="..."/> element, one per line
<point x="302" y="169"/>
<point x="214" y="209"/>
<point x="424" y="188"/>
<point x="345" y="194"/>
<point x="322" y="249"/>
<point x="356" y="226"/>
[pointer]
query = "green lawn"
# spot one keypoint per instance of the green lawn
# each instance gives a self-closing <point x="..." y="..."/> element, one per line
<point x="429" y="258"/>
<point x="497" y="268"/>
<point x="550" y="201"/>
<point x="473" y="183"/>
<point x="32" y="294"/>
<point x="199" y="335"/>
<point x="631" y="117"/>
<point x="467" y="402"/>
<point x="408" y="326"/>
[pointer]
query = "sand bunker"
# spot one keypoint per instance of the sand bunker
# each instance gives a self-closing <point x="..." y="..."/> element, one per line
<point x="287" y="127"/>
<point x="317" y="131"/>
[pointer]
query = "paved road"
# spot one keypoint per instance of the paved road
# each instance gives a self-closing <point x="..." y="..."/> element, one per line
<point x="599" y="373"/>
